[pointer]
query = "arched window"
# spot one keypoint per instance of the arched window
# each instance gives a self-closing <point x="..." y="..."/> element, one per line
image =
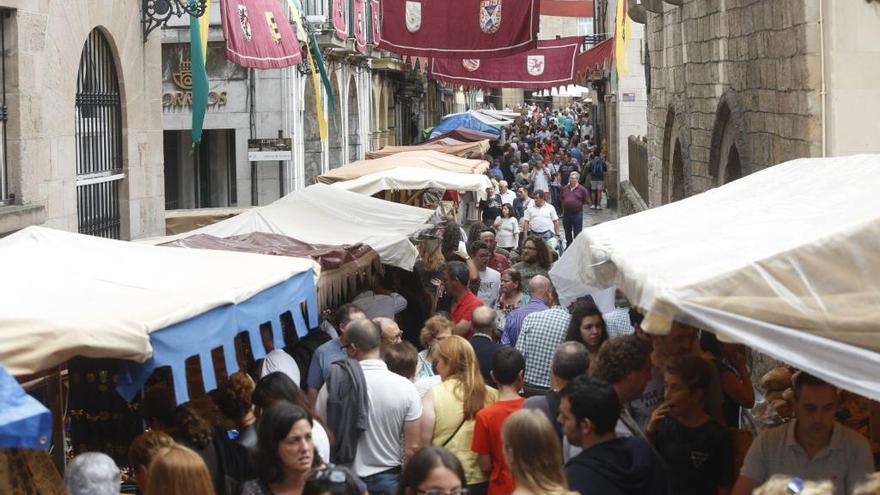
<point x="98" y="140"/>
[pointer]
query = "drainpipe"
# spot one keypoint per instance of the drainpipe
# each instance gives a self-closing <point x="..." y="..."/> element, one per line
<point x="823" y="92"/>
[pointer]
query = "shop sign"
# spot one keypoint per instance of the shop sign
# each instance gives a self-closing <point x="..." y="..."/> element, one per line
<point x="269" y="150"/>
<point x="183" y="99"/>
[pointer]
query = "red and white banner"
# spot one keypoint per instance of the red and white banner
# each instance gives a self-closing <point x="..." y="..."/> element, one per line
<point x="360" y="25"/>
<point x="375" y="10"/>
<point x="550" y="65"/>
<point x="258" y="34"/>
<point x="459" y="28"/>
<point x="340" y="18"/>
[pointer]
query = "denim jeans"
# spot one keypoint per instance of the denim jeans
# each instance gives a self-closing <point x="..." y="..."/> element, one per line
<point x="573" y="223"/>
<point x="384" y="483"/>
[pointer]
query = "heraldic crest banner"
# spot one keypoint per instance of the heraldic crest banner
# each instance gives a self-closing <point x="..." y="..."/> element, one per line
<point x="459" y="29"/>
<point x="550" y="65"/>
<point x="258" y="35"/>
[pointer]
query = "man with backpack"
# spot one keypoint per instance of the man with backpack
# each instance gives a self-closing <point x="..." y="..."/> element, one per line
<point x="597" y="181"/>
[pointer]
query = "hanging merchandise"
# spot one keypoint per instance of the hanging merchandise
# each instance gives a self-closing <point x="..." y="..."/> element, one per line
<point x="258" y="35"/>
<point x="549" y="65"/>
<point x="460" y="29"/>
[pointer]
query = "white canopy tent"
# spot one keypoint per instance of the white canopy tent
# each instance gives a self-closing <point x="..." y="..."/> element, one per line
<point x="322" y="214"/>
<point x="414" y="179"/>
<point x="771" y="260"/>
<point x="78" y="295"/>
<point x="494" y="118"/>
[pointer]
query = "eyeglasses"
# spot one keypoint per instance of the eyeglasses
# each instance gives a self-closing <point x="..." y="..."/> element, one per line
<point x="454" y="491"/>
<point x="329" y="474"/>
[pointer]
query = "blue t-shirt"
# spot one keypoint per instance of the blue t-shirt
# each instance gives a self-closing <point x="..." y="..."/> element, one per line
<point x="325" y="355"/>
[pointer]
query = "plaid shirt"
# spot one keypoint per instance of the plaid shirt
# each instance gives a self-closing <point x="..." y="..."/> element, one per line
<point x="617" y="322"/>
<point x="541" y="333"/>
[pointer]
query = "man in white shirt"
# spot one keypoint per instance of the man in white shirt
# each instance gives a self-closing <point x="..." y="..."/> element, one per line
<point x="490" y="280"/>
<point x="507" y="196"/>
<point x="394" y="411"/>
<point x="541" y="219"/>
<point x="380" y="302"/>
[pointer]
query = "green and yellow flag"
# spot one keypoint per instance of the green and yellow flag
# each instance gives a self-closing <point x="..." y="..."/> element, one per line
<point x="311" y="42"/>
<point x="198" y="52"/>
<point x="622" y="36"/>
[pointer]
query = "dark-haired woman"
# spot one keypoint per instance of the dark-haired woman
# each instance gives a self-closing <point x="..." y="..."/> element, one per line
<point x="587" y="327"/>
<point x="433" y="471"/>
<point x="285" y="451"/>
<point x="277" y="386"/>
<point x="333" y="481"/>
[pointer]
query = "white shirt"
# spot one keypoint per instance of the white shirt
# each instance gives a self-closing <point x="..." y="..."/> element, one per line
<point x="507" y="197"/>
<point x="490" y="287"/>
<point x="541" y="181"/>
<point x="541" y="218"/>
<point x="393" y="401"/>
<point x="321" y="441"/>
<point x="379" y="305"/>
<point x="507" y="232"/>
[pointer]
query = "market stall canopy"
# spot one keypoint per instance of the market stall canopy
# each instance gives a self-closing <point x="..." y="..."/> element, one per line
<point x="343" y="268"/>
<point x="425" y="160"/>
<point x="457" y="149"/>
<point x="765" y="260"/>
<point x="78" y="295"/>
<point x="493" y="118"/>
<point x="416" y="179"/>
<point x="320" y="214"/>
<point x="461" y="135"/>
<point x="24" y="421"/>
<point x="467" y="121"/>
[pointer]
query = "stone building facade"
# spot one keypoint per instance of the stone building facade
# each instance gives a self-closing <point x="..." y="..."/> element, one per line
<point x="739" y="85"/>
<point x="53" y="118"/>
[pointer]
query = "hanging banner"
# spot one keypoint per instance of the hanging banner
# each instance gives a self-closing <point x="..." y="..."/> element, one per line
<point x="459" y="29"/>
<point x="549" y="65"/>
<point x="258" y="34"/>
<point x="360" y="26"/>
<point x="376" y="25"/>
<point x="340" y="26"/>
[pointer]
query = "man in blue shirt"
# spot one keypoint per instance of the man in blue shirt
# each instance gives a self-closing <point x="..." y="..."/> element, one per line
<point x="332" y="351"/>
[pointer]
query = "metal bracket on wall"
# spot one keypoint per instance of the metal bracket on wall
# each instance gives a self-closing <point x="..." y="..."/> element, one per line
<point x="157" y="13"/>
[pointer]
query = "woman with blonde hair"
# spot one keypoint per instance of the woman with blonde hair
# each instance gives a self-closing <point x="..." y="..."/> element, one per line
<point x="448" y="409"/>
<point x="531" y="448"/>
<point x="142" y="451"/>
<point x="178" y="470"/>
<point x="436" y="328"/>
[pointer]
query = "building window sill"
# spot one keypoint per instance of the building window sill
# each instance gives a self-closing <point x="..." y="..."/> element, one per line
<point x="17" y="217"/>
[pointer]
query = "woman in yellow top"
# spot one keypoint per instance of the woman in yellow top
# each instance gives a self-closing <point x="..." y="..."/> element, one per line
<point x="448" y="409"/>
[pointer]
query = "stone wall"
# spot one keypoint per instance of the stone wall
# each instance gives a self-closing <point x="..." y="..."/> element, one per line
<point x="734" y="88"/>
<point x="44" y="42"/>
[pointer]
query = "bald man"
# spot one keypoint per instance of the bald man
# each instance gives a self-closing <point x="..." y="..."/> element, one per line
<point x="391" y="333"/>
<point x="483" y="340"/>
<point x="540" y="290"/>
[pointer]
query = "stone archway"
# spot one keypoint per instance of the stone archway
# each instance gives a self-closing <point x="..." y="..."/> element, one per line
<point x="354" y="122"/>
<point x="312" y="148"/>
<point x="334" y="134"/>
<point x="674" y="158"/>
<point x="677" y="188"/>
<point x="725" y="157"/>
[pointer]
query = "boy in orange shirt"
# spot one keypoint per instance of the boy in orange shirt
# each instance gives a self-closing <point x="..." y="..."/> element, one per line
<point x="508" y="366"/>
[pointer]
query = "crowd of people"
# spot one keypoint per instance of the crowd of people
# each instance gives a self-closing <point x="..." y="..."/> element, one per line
<point x="549" y="168"/>
<point x="470" y="377"/>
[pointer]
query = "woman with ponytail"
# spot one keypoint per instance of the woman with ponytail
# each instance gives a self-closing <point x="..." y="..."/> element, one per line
<point x="448" y="409"/>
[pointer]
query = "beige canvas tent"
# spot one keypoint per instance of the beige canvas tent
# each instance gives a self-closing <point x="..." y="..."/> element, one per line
<point x="768" y="260"/>
<point x="428" y="160"/>
<point x="461" y="149"/>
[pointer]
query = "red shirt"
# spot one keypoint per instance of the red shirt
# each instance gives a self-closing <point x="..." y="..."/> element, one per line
<point x="465" y="308"/>
<point x="499" y="263"/>
<point x="573" y="200"/>
<point x="487" y="440"/>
